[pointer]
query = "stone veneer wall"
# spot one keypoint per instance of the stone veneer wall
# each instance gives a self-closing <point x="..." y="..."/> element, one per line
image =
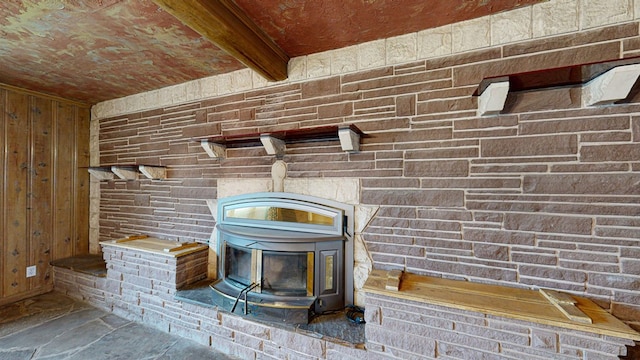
<point x="434" y="332"/>
<point x="545" y="194"/>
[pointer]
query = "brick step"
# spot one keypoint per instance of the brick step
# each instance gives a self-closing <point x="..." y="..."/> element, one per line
<point x="87" y="264"/>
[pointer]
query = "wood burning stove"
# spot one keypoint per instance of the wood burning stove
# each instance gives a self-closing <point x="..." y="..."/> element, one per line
<point x="284" y="256"/>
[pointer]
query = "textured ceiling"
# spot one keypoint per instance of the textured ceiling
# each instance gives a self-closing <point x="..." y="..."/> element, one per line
<point x="96" y="50"/>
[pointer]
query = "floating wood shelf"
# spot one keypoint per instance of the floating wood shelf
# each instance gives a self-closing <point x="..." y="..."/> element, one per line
<point x="602" y="83"/>
<point x="128" y="172"/>
<point x="275" y="141"/>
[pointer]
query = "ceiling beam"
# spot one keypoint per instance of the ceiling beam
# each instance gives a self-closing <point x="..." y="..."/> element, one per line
<point x="223" y="23"/>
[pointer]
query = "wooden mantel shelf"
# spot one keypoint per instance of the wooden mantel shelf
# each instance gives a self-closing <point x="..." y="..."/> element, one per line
<point x="320" y="133"/>
<point x="349" y="136"/>
<point x="556" y="77"/>
<point x="603" y="83"/>
<point x="520" y="304"/>
<point x="157" y="246"/>
<point x="128" y="171"/>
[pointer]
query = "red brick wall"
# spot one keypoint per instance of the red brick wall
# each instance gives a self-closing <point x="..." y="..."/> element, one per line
<point x="546" y="194"/>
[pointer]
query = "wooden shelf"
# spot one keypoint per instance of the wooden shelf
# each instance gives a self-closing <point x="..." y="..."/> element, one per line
<point x="349" y="136"/>
<point x="601" y="83"/>
<point x="556" y="77"/>
<point x="157" y="246"/>
<point x="128" y="172"/>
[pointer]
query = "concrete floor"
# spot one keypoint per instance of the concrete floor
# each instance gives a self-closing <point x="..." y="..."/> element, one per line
<point x="54" y="326"/>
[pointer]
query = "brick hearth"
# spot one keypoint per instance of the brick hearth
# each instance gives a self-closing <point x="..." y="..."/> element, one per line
<point x="141" y="285"/>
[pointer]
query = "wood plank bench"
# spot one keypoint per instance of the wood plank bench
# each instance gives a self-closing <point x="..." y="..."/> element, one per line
<point x="484" y="306"/>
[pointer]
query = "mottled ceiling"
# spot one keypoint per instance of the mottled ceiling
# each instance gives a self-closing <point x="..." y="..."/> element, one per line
<point x="96" y="50"/>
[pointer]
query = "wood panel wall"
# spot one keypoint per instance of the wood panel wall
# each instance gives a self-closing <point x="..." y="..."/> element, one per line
<point x="44" y="198"/>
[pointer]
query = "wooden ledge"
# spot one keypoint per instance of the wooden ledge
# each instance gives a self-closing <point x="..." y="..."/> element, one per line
<point x="89" y="264"/>
<point x="515" y="303"/>
<point x="157" y="246"/>
<point x="556" y="77"/>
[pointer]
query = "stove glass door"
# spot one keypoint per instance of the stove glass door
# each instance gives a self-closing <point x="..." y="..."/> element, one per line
<point x="238" y="265"/>
<point x="287" y="273"/>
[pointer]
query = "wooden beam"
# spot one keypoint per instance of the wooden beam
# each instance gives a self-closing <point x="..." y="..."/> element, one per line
<point x="223" y="23"/>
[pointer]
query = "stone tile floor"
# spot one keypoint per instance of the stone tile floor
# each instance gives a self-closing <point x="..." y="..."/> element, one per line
<point x="54" y="326"/>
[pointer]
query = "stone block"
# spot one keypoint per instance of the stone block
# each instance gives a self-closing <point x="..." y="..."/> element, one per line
<point x="437" y="168"/>
<point x="372" y="54"/>
<point x="471" y="34"/>
<point x="187" y="333"/>
<point x="606" y="152"/>
<point x="395" y="249"/>
<point x="85" y="281"/>
<point x="231" y="187"/>
<point x="555" y="17"/>
<point x="597" y="13"/>
<point x="494" y="334"/>
<point x="227" y="346"/>
<point x="138" y="282"/>
<point x="156" y="273"/>
<point x="626" y="308"/>
<point x="493" y="98"/>
<point x="418" y="313"/>
<point x="410" y="343"/>
<point x="445" y="198"/>
<point x="492" y="252"/>
<point x="318" y="65"/>
<point x="518" y="352"/>
<point x="401" y="49"/>
<point x="530" y="146"/>
<point x="577" y="124"/>
<point x="499" y="237"/>
<point x="297" y="68"/>
<point x="611" y="86"/>
<point x="552" y="273"/>
<point x="249" y="341"/>
<point x="272" y="352"/>
<point x="163" y="290"/>
<point x="630" y="266"/>
<point x="615" y="281"/>
<point x="224" y="84"/>
<point x="537" y="259"/>
<point x="544" y="340"/>
<point x="335" y="110"/>
<point x="201" y="311"/>
<point x="592" y="342"/>
<point x="511" y="26"/>
<point x="451" y="265"/>
<point x="344" y="190"/>
<point x="456" y="351"/>
<point x="299" y="343"/>
<point x="548" y="223"/>
<point x="434" y="42"/>
<point x="344" y="60"/>
<point x="337" y="351"/>
<point x="245" y="326"/>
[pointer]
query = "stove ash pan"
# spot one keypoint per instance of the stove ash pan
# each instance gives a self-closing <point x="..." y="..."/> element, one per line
<point x="284" y="256"/>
